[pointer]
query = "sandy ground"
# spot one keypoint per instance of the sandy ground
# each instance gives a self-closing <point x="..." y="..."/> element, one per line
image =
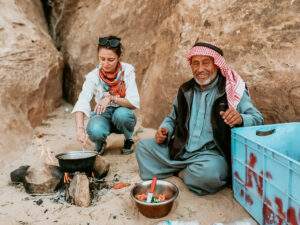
<point x="112" y="206"/>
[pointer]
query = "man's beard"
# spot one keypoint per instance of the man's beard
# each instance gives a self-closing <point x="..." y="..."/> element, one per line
<point x="207" y="81"/>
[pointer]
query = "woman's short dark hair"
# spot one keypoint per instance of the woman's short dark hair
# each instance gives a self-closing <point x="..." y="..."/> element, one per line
<point x="215" y="48"/>
<point x="111" y="42"/>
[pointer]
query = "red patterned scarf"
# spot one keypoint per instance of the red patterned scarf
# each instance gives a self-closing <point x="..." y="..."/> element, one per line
<point x="116" y="85"/>
<point x="235" y="85"/>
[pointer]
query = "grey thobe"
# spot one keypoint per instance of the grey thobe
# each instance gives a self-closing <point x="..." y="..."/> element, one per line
<point x="202" y="168"/>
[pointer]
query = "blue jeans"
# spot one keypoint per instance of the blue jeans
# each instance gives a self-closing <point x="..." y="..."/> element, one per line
<point x="119" y="120"/>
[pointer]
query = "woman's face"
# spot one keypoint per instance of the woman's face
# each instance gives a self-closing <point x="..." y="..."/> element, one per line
<point x="108" y="59"/>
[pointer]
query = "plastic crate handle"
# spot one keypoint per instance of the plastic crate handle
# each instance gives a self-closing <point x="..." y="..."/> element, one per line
<point x="265" y="132"/>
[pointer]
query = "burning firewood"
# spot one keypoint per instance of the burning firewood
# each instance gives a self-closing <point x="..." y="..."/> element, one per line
<point x="67" y="178"/>
<point x="79" y="187"/>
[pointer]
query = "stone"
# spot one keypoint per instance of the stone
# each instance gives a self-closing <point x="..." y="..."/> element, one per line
<point x="101" y="167"/>
<point x="30" y="72"/>
<point x="259" y="39"/>
<point x="78" y="192"/>
<point x="18" y="175"/>
<point x="43" y="180"/>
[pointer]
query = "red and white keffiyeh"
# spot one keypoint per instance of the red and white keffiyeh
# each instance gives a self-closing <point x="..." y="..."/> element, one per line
<point x="235" y="86"/>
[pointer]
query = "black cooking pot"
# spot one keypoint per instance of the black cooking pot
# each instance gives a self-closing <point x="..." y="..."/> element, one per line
<point x="81" y="161"/>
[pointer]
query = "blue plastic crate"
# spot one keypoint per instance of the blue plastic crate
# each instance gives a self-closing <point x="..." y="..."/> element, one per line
<point x="266" y="172"/>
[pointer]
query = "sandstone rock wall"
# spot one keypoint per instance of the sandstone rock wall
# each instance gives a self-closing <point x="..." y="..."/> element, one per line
<point x="260" y="40"/>
<point x="30" y="71"/>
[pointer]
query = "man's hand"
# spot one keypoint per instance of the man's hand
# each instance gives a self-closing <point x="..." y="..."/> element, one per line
<point x="161" y="135"/>
<point x="231" y="117"/>
<point x="102" y="105"/>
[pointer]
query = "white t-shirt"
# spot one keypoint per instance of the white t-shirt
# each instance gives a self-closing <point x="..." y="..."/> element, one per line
<point x="93" y="86"/>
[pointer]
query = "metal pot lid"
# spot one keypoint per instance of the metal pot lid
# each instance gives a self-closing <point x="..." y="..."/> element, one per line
<point x="76" y="155"/>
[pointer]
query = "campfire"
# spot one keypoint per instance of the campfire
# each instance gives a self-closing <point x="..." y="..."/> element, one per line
<point x="78" y="187"/>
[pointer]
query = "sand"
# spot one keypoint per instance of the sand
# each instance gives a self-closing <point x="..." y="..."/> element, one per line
<point x="57" y="134"/>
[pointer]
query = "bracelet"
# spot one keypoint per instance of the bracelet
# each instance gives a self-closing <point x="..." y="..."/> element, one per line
<point x="113" y="99"/>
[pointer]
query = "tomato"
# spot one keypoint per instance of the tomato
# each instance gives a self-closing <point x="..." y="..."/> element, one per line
<point x="141" y="197"/>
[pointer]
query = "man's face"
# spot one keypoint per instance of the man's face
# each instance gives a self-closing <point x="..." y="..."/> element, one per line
<point x="204" y="69"/>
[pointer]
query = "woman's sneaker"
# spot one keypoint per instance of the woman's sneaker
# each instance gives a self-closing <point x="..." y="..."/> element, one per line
<point x="100" y="147"/>
<point x="128" y="147"/>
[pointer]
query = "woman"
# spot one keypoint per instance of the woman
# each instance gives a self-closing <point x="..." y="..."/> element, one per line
<point x="113" y="84"/>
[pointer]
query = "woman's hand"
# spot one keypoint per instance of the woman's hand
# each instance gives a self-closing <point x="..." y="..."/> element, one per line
<point x="81" y="135"/>
<point x="102" y="105"/>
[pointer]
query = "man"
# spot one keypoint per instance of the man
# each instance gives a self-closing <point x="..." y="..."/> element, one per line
<point x="193" y="141"/>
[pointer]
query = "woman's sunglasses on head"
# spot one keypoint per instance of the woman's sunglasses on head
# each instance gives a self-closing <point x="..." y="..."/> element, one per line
<point x="109" y="42"/>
